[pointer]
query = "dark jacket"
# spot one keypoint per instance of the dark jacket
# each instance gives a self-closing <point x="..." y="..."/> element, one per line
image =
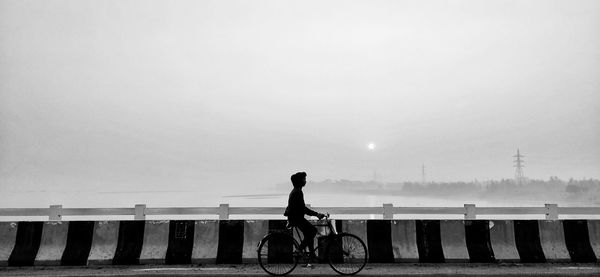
<point x="296" y="208"/>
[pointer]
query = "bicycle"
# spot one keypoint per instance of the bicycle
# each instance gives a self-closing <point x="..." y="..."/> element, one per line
<point x="279" y="253"/>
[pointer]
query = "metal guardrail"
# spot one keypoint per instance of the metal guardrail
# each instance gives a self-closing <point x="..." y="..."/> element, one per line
<point x="140" y="211"/>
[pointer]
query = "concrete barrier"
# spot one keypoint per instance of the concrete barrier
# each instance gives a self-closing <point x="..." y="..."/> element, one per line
<point x="79" y="243"/>
<point x="594" y="236"/>
<point x="404" y="241"/>
<point x="53" y="243"/>
<point x="129" y="244"/>
<point x="527" y="239"/>
<point x="477" y="234"/>
<point x="282" y="251"/>
<point x="429" y="242"/>
<point x="502" y="240"/>
<point x="181" y="241"/>
<point x="552" y="240"/>
<point x="578" y="240"/>
<point x="254" y="231"/>
<point x="104" y="242"/>
<point x="379" y="241"/>
<point x="454" y="243"/>
<point x="206" y="241"/>
<point x="235" y="241"/>
<point x="231" y="242"/>
<point x="27" y="243"/>
<point x="155" y="242"/>
<point x="8" y="236"/>
<point x="356" y="227"/>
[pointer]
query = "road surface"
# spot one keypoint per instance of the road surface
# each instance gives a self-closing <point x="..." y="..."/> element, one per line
<point x="421" y="270"/>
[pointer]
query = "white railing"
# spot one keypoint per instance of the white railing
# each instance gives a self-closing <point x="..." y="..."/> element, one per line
<point x="140" y="211"/>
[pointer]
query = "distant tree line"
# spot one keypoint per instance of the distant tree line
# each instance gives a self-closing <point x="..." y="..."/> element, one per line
<point x="584" y="191"/>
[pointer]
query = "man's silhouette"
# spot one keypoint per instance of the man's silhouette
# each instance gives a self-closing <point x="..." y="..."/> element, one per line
<point x="296" y="210"/>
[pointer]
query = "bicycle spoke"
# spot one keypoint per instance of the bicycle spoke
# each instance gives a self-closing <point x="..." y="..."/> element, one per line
<point x="276" y="254"/>
<point x="347" y="254"/>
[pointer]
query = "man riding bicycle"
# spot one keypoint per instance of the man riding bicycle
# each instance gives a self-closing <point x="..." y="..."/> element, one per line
<point x="296" y="210"/>
<point x="346" y="253"/>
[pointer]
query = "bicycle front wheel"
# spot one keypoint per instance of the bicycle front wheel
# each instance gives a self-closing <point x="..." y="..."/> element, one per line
<point x="347" y="254"/>
<point x="278" y="254"/>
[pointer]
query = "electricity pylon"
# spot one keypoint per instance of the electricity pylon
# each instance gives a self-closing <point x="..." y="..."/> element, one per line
<point x="519" y="164"/>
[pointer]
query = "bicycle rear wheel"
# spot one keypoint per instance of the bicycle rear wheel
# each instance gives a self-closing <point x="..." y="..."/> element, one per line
<point x="278" y="254"/>
<point x="347" y="254"/>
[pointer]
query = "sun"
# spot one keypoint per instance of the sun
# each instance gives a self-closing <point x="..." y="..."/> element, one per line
<point x="371" y="146"/>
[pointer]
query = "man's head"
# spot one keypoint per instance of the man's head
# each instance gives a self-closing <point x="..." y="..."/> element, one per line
<point x="299" y="179"/>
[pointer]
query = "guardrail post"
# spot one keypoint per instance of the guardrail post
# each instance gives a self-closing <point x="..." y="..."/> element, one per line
<point x="388" y="211"/>
<point x="223" y="211"/>
<point x="551" y="211"/>
<point x="470" y="212"/>
<point x="55" y="212"/>
<point x="140" y="212"/>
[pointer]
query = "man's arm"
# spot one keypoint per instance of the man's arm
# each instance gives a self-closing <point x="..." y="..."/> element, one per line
<point x="308" y="211"/>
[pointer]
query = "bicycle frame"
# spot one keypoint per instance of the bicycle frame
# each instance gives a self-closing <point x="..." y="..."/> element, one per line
<point x="330" y="224"/>
<point x="336" y="257"/>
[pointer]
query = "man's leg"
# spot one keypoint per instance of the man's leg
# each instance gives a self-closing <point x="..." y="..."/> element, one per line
<point x="309" y="231"/>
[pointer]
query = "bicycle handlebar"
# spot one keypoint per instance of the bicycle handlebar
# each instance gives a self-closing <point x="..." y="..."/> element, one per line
<point x="326" y="216"/>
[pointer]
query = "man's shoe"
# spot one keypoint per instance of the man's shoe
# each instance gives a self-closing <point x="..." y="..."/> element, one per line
<point x="309" y="265"/>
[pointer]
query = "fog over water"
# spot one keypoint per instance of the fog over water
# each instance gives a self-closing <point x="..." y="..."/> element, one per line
<point x="196" y="103"/>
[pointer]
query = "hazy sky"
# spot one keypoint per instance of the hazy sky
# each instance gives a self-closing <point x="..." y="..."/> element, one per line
<point x="128" y="95"/>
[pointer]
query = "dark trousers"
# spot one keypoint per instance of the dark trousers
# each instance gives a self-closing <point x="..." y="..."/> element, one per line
<point x="308" y="230"/>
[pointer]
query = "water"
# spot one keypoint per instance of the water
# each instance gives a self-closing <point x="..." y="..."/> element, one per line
<point x="248" y="198"/>
<point x="267" y="197"/>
